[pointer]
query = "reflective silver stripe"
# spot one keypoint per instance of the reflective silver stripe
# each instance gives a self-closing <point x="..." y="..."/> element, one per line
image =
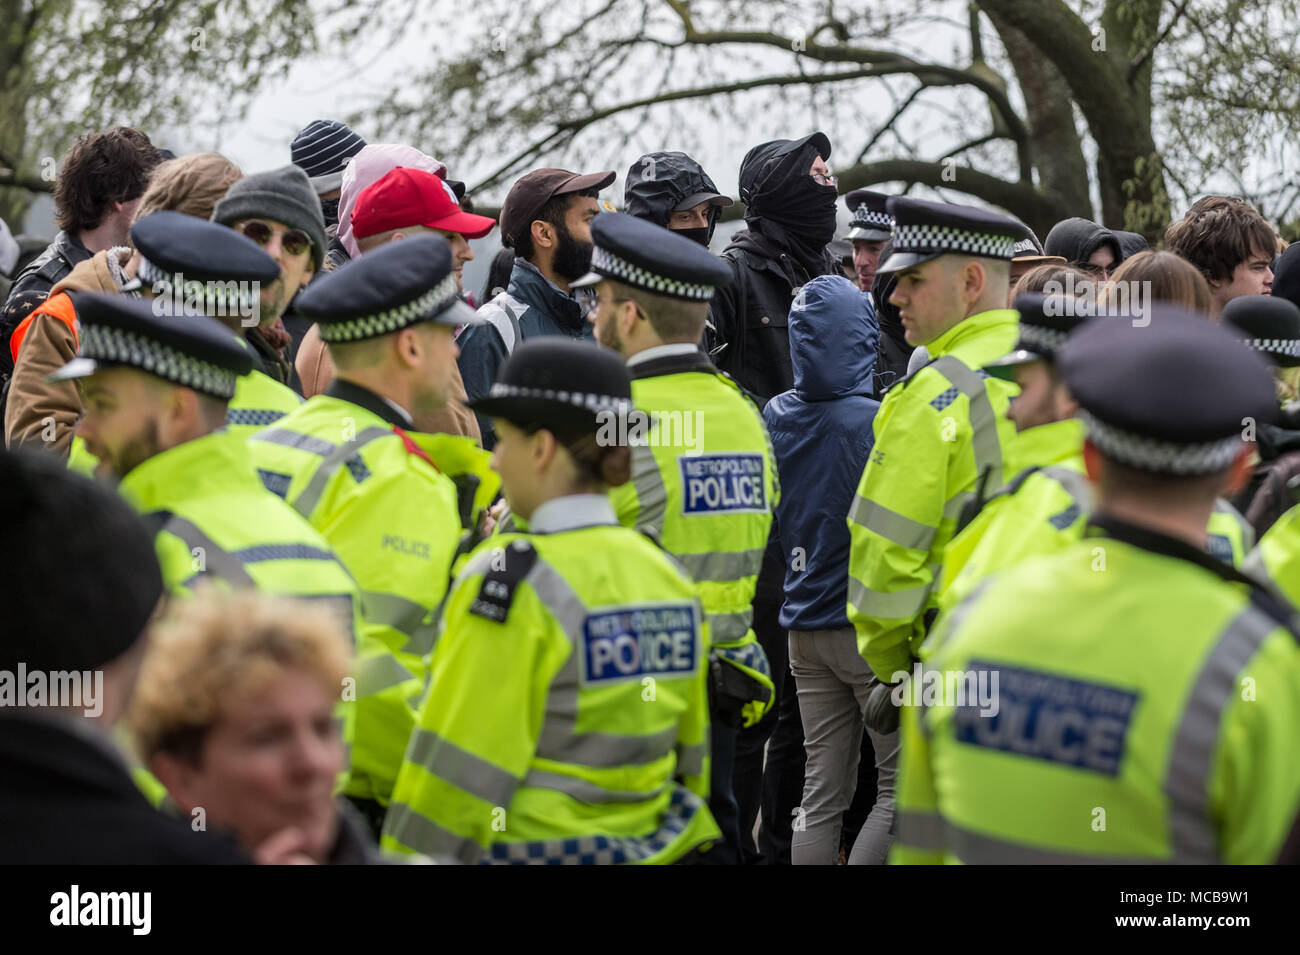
<point x="690" y="759"/>
<point x="306" y="502"/>
<point x="583" y="790"/>
<point x="461" y="768"/>
<point x="723" y="567"/>
<point x="651" y="494"/>
<point x="560" y="740"/>
<point x="261" y="552"/>
<point x="379" y="673"/>
<point x="405" y="616"/>
<point x="1191" y="760"/>
<point x="921" y="830"/>
<point x="900" y="605"/>
<point x="1074" y="483"/>
<point x="294" y="439"/>
<point x="983" y="422"/>
<point x="891" y="525"/>
<point x="730" y="627"/>
<point x="419" y="832"/>
<point x="975" y="848"/>
<point x="216" y="561"/>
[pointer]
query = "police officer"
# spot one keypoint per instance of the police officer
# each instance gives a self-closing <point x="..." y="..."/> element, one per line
<point x="155" y="389"/>
<point x="384" y="498"/>
<point x="704" y="480"/>
<point x="941" y="432"/>
<point x="177" y="251"/>
<point x="869" y="230"/>
<point x="1136" y="698"/>
<point x="566" y="720"/>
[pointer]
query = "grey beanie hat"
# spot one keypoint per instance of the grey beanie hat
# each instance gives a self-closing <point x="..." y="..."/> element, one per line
<point x="284" y="195"/>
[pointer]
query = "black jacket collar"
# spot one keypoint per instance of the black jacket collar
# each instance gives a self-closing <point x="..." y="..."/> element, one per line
<point x="672" y="365"/>
<point x="1111" y="526"/>
<point x="363" y="397"/>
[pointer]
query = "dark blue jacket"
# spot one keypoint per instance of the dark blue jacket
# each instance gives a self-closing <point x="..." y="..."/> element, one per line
<point x="821" y="433"/>
<point x="530" y="307"/>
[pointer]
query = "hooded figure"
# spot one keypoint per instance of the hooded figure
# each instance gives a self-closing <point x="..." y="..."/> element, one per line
<point x="891" y="364"/>
<point x="1130" y="244"/>
<point x="1075" y="240"/>
<point x="659" y="184"/>
<point x="791" y="220"/>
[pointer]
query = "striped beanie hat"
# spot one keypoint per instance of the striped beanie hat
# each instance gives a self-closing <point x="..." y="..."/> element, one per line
<point x="322" y="149"/>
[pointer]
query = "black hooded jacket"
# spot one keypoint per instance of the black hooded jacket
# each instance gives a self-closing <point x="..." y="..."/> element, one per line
<point x="1076" y="239"/>
<point x="894" y="351"/>
<point x="658" y="183"/>
<point x="791" y="221"/>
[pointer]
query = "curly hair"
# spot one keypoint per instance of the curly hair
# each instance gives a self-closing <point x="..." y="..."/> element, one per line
<point x="100" y="169"/>
<point x="1218" y="233"/>
<point x="218" y="648"/>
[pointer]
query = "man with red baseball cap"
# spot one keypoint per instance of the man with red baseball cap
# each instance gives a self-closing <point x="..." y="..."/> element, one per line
<point x="546" y="219"/>
<point x="407" y="202"/>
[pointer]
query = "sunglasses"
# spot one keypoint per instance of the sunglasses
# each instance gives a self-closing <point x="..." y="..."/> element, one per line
<point x="293" y="241"/>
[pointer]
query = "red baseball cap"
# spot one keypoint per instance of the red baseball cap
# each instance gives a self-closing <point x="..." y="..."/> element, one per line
<point x="410" y="197"/>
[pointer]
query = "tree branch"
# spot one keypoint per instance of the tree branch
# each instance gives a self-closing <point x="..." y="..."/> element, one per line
<point x="10" y="177"/>
<point x="889" y="123"/>
<point x="1136" y="63"/>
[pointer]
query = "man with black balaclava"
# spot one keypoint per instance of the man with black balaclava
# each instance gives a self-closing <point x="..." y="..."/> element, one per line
<point x="790" y="196"/>
<point x="673" y="191"/>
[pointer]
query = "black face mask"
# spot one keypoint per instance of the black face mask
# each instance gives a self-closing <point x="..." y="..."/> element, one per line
<point x="572" y="256"/>
<point x="696" y="235"/>
<point x="330" y="209"/>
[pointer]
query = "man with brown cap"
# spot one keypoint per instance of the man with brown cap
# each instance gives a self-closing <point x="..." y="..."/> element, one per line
<point x="546" y="219"/>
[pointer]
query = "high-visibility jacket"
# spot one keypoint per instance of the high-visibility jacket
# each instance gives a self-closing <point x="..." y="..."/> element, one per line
<point x="941" y="436"/>
<point x="704" y="484"/>
<point x="1276" y="560"/>
<point x="1045" y="509"/>
<point x="1144" y="710"/>
<point x="1041" y="509"/>
<point x="567" y="714"/>
<point x="375" y="494"/>
<point x="259" y="402"/>
<point x="215" y="523"/>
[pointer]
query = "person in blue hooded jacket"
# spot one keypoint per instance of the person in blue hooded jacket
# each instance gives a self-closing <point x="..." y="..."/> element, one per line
<point x="821" y="433"/>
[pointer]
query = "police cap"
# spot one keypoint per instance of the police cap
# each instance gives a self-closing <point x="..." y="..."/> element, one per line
<point x="566" y="386"/>
<point x="1045" y="322"/>
<point x="871" y="220"/>
<point x="926" y="230"/>
<point x="1169" y="396"/>
<point x="119" y="331"/>
<point x="643" y="255"/>
<point x="397" y="285"/>
<point x="1267" y="324"/>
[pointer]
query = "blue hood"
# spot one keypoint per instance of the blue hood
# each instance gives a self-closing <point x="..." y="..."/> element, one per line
<point x="833" y="339"/>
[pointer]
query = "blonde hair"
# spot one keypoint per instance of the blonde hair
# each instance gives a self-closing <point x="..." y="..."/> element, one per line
<point x="219" y="647"/>
<point x="191" y="184"/>
<point x="1171" y="277"/>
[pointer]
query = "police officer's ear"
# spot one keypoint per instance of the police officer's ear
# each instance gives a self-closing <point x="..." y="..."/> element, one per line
<point x="1240" y="473"/>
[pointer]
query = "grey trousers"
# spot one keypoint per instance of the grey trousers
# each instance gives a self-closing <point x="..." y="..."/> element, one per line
<point x="833" y="682"/>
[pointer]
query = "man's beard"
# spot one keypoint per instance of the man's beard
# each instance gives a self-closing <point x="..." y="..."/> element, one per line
<point x="572" y="256"/>
<point x="607" y="335"/>
<point x="136" y="451"/>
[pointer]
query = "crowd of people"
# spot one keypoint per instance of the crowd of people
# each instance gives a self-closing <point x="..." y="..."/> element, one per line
<point x="927" y="542"/>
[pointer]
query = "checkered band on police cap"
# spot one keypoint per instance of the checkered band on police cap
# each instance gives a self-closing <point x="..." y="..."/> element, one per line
<point x="584" y="400"/>
<point x="605" y="262"/>
<point x="930" y="239"/>
<point x="1274" y="346"/>
<point x="1037" y="338"/>
<point x="219" y="298"/>
<point x="864" y="217"/>
<point x="104" y="343"/>
<point x="1163" y="457"/>
<point x="418" y="309"/>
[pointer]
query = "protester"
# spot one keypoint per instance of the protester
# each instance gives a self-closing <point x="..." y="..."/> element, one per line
<point x="789" y="193"/>
<point x="1231" y="245"/>
<point x="101" y="179"/>
<point x="546" y="219"/>
<point x="1085" y="245"/>
<point x="822" y="436"/>
<point x="673" y="191"/>
<point x="1028" y="255"/>
<point x="1055" y="279"/>
<point x="322" y="149"/>
<point x="1158" y="277"/>
<point x="368" y="166"/>
<point x="895" y="351"/>
<point x="68" y="798"/>
<point x="252" y="745"/>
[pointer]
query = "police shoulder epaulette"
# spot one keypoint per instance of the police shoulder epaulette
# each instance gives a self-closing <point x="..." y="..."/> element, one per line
<point x="507" y="566"/>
